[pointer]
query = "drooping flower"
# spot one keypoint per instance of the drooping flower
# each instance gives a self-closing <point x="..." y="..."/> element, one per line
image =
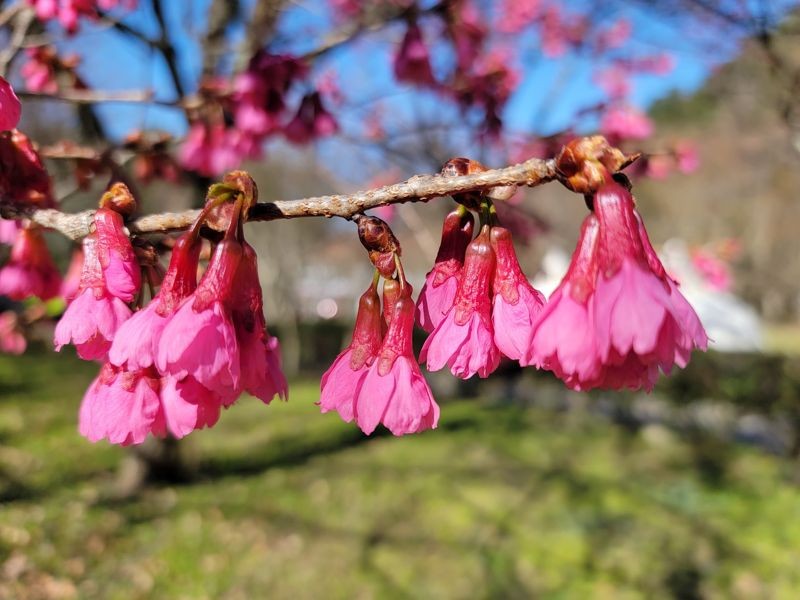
<point x="341" y="382"/>
<point x="210" y="149"/>
<point x="616" y="319"/>
<point x="9" y="228"/>
<point x="394" y="392"/>
<point x="122" y="406"/>
<point x="262" y="375"/>
<point x="137" y="343"/>
<point x="516" y="303"/>
<point x="441" y="282"/>
<point x="200" y="339"/>
<point x="94" y="315"/>
<point x="312" y="121"/>
<point x="464" y="339"/>
<point x="23" y="178"/>
<point x="10" y="107"/>
<point x="412" y="61"/>
<point x="118" y="262"/>
<point x="30" y="270"/>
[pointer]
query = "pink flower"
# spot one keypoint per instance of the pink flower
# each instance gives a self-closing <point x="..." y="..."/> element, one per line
<point x="412" y="61"/>
<point x="311" y="121"/>
<point x="187" y="405"/>
<point x="30" y="270"/>
<point x="341" y="382"/>
<point x="687" y="157"/>
<point x="122" y="407"/>
<point x="10" y="107"/>
<point x="614" y="81"/>
<point x="121" y="270"/>
<point x="12" y="341"/>
<point x="394" y="392"/>
<point x="616" y="319"/>
<point x="94" y="316"/>
<point x="441" y="282"/>
<point x="69" y="11"/>
<point x="625" y="122"/>
<point x="464" y="339"/>
<point x="137" y="341"/>
<point x="199" y="339"/>
<point x="262" y="375"/>
<point x="516" y="303"/>
<point x="23" y="178"/>
<point x="39" y="72"/>
<point x="210" y="149"/>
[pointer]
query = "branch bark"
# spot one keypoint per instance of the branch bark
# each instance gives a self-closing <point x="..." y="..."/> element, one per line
<point x="419" y="188"/>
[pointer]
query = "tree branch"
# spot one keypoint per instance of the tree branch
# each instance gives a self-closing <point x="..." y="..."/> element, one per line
<point x="419" y="188"/>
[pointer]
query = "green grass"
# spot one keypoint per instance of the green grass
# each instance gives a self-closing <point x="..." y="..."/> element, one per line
<point x="500" y="502"/>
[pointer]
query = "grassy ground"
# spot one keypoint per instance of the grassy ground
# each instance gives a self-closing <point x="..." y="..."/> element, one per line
<point x="500" y="502"/>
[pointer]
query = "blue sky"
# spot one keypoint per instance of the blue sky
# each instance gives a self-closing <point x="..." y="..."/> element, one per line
<point x="112" y="61"/>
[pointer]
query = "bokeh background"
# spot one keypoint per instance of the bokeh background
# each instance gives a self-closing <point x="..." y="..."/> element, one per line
<point x="526" y="489"/>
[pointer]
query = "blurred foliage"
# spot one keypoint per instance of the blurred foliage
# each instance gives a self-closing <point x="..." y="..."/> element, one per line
<point x="502" y="501"/>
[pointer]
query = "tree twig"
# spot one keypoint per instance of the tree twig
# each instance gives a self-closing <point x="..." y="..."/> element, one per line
<point x="419" y="188"/>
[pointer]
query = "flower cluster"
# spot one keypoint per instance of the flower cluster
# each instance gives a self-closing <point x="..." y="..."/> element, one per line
<point x="376" y="379"/>
<point x="67" y="12"/>
<point x="193" y="350"/>
<point x="617" y="318"/>
<point x="477" y="303"/>
<point x="256" y="104"/>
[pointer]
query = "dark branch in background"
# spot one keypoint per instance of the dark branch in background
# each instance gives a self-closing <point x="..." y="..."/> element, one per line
<point x="220" y="15"/>
<point x="418" y="188"/>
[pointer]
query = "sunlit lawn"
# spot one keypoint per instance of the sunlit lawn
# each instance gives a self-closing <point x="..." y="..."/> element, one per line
<point x="500" y="502"/>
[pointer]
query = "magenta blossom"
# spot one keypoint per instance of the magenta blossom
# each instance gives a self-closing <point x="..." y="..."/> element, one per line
<point x="262" y="375"/>
<point x="210" y="149"/>
<point x="394" y="392"/>
<point x="10" y="107"/>
<point x="616" y="319"/>
<point x="188" y="405"/>
<point x="341" y="382"/>
<point x="67" y="12"/>
<point x="464" y="339"/>
<point x="122" y="407"/>
<point x="9" y="228"/>
<point x="137" y="343"/>
<point x="199" y="339"/>
<point x="516" y="303"/>
<point x="441" y="282"/>
<point x="94" y="315"/>
<point x="412" y="61"/>
<point x="311" y="121"/>
<point x="30" y="270"/>
<point x="121" y="270"/>
<point x="625" y="123"/>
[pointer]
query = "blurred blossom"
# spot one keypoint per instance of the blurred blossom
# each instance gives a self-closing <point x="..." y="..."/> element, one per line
<point x="625" y="122"/>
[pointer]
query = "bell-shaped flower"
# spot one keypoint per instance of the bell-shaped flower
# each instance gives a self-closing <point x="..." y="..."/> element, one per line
<point x="122" y="407"/>
<point x="439" y="291"/>
<point x="137" y="341"/>
<point x="412" y="62"/>
<point x="394" y="392"/>
<point x="121" y="270"/>
<point x="311" y="121"/>
<point x="464" y="339"/>
<point x="341" y="382"/>
<point x="30" y="271"/>
<point x="616" y="319"/>
<point x="10" y="107"/>
<point x="200" y="339"/>
<point x="261" y="371"/>
<point x="93" y="317"/>
<point x="516" y="303"/>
